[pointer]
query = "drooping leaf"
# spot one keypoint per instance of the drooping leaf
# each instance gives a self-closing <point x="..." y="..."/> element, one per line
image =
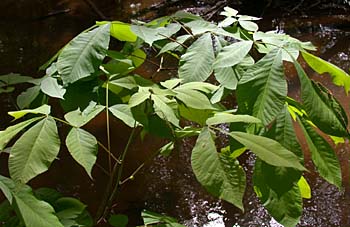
<point x="121" y="31"/>
<point x="322" y="108"/>
<point x="34" y="151"/>
<point x="221" y="175"/>
<point x="232" y="54"/>
<point x="123" y="112"/>
<point x="83" y="147"/>
<point x="268" y="150"/>
<point x="339" y="77"/>
<point x="68" y="210"/>
<point x="82" y="56"/>
<point x="77" y="118"/>
<point x="196" y="63"/>
<point x="150" y="35"/>
<point x="50" y="87"/>
<point x="28" y="96"/>
<point x="35" y="213"/>
<point x="10" y="132"/>
<point x="222" y="117"/>
<point x="14" y="78"/>
<point x="262" y="90"/>
<point x="44" y="109"/>
<point x="323" y="156"/>
<point x="163" y="110"/>
<point x="193" y="99"/>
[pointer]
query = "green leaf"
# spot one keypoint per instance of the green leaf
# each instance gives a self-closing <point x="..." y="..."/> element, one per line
<point x="222" y="117"/>
<point x="227" y="77"/>
<point x="262" y="90"/>
<point x="150" y="35"/>
<point x="82" y="56"/>
<point x="339" y="77"/>
<point x="322" y="154"/>
<point x="139" y="98"/>
<point x="163" y="110"/>
<point x="28" y="96"/>
<point x="201" y="26"/>
<point x="221" y="175"/>
<point x="83" y="147"/>
<point x="285" y="208"/>
<point x="10" y="132"/>
<point x="44" y="109"/>
<point x="35" y="213"/>
<point x="268" y="150"/>
<point x="304" y="187"/>
<point x="195" y="115"/>
<point x="174" y="46"/>
<point x="193" y="99"/>
<point x="120" y="31"/>
<point x="170" y="84"/>
<point x="68" y="210"/>
<point x="118" y="220"/>
<point x="150" y="218"/>
<point x="322" y="108"/>
<point x="7" y="186"/>
<point x="138" y="57"/>
<point x="232" y="54"/>
<point x="248" y="25"/>
<point x="199" y="86"/>
<point x="167" y="149"/>
<point x="49" y="195"/>
<point x="14" y="78"/>
<point x="123" y="112"/>
<point x="50" y="87"/>
<point x="196" y="63"/>
<point x="77" y="118"/>
<point x="34" y="151"/>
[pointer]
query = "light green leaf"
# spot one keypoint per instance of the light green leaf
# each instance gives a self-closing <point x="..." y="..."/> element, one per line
<point x="268" y="150"/>
<point x="120" y="31"/>
<point x="322" y="154"/>
<point x="34" y="151"/>
<point x="83" y="147"/>
<point x="167" y="149"/>
<point x="339" y="77"/>
<point x="138" y="57"/>
<point x="14" y="78"/>
<point x="150" y="218"/>
<point x="77" y="118"/>
<point x="139" y="98"/>
<point x="229" y="12"/>
<point x="221" y="175"/>
<point x="193" y="99"/>
<point x="248" y="25"/>
<point x="34" y="212"/>
<point x="187" y="132"/>
<point x="321" y="106"/>
<point x="262" y="90"/>
<point x="232" y="54"/>
<point x="196" y="63"/>
<point x="50" y="87"/>
<point x="10" y="132"/>
<point x="131" y="82"/>
<point x="7" y="186"/>
<point x="195" y="115"/>
<point x="170" y="84"/>
<point x="201" y="26"/>
<point x="28" y="96"/>
<point x="199" y="86"/>
<point x="163" y="110"/>
<point x="218" y="95"/>
<point x="227" y="22"/>
<point x="82" y="56"/>
<point x="123" y="112"/>
<point x="44" y="109"/>
<point x="227" y="77"/>
<point x="304" y="187"/>
<point x="150" y="35"/>
<point x="222" y="117"/>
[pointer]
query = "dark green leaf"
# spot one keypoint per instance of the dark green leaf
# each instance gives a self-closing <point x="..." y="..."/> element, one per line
<point x="118" y="220"/>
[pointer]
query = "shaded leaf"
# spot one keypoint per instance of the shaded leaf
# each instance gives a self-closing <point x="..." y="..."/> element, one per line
<point x="28" y="96"/>
<point x="118" y="220"/>
<point x="163" y="110"/>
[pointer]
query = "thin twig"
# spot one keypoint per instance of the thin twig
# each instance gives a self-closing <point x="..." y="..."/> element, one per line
<point x="96" y="10"/>
<point x="109" y="152"/>
<point x="174" y="40"/>
<point x="184" y="27"/>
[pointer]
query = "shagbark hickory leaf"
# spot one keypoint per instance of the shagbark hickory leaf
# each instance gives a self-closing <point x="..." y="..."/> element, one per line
<point x="232" y="54"/>
<point x="322" y="154"/>
<point x="83" y="55"/>
<point x="196" y="63"/>
<point x="262" y="90"/>
<point x="268" y="150"/>
<point x="83" y="147"/>
<point x="221" y="175"/>
<point x="34" y="151"/>
<point x="339" y="77"/>
<point x="322" y="108"/>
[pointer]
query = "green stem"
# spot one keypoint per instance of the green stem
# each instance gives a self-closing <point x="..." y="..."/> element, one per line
<point x="108" y="130"/>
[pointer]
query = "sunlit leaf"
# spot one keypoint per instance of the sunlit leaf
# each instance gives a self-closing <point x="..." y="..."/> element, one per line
<point x="173" y="46"/>
<point x="82" y="56"/>
<point x="34" y="151"/>
<point x="304" y="187"/>
<point x="193" y="99"/>
<point x="120" y="31"/>
<point x="83" y="147"/>
<point x="7" y="186"/>
<point x="248" y="25"/>
<point x="220" y="118"/>
<point x="44" y="109"/>
<point x="221" y="175"/>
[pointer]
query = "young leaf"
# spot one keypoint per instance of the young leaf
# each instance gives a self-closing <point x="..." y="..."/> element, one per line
<point x="10" y="132"/>
<point x="82" y="56"/>
<point x="83" y="147"/>
<point x="35" y="213"/>
<point x="123" y="112"/>
<point x="322" y="154"/>
<point x="339" y="77"/>
<point x="34" y="151"/>
<point x="78" y="119"/>
<point x="220" y="118"/>
<point x="173" y="46"/>
<point x="44" y="109"/>
<point x="268" y="150"/>
<point x="322" y="108"/>
<point x="233" y="54"/>
<point x="120" y="31"/>
<point x="196" y="63"/>
<point x="50" y="87"/>
<point x="262" y="90"/>
<point x="221" y="175"/>
<point x="304" y="187"/>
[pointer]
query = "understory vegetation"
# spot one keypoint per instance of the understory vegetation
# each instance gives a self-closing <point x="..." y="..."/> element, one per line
<point x="216" y="63"/>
